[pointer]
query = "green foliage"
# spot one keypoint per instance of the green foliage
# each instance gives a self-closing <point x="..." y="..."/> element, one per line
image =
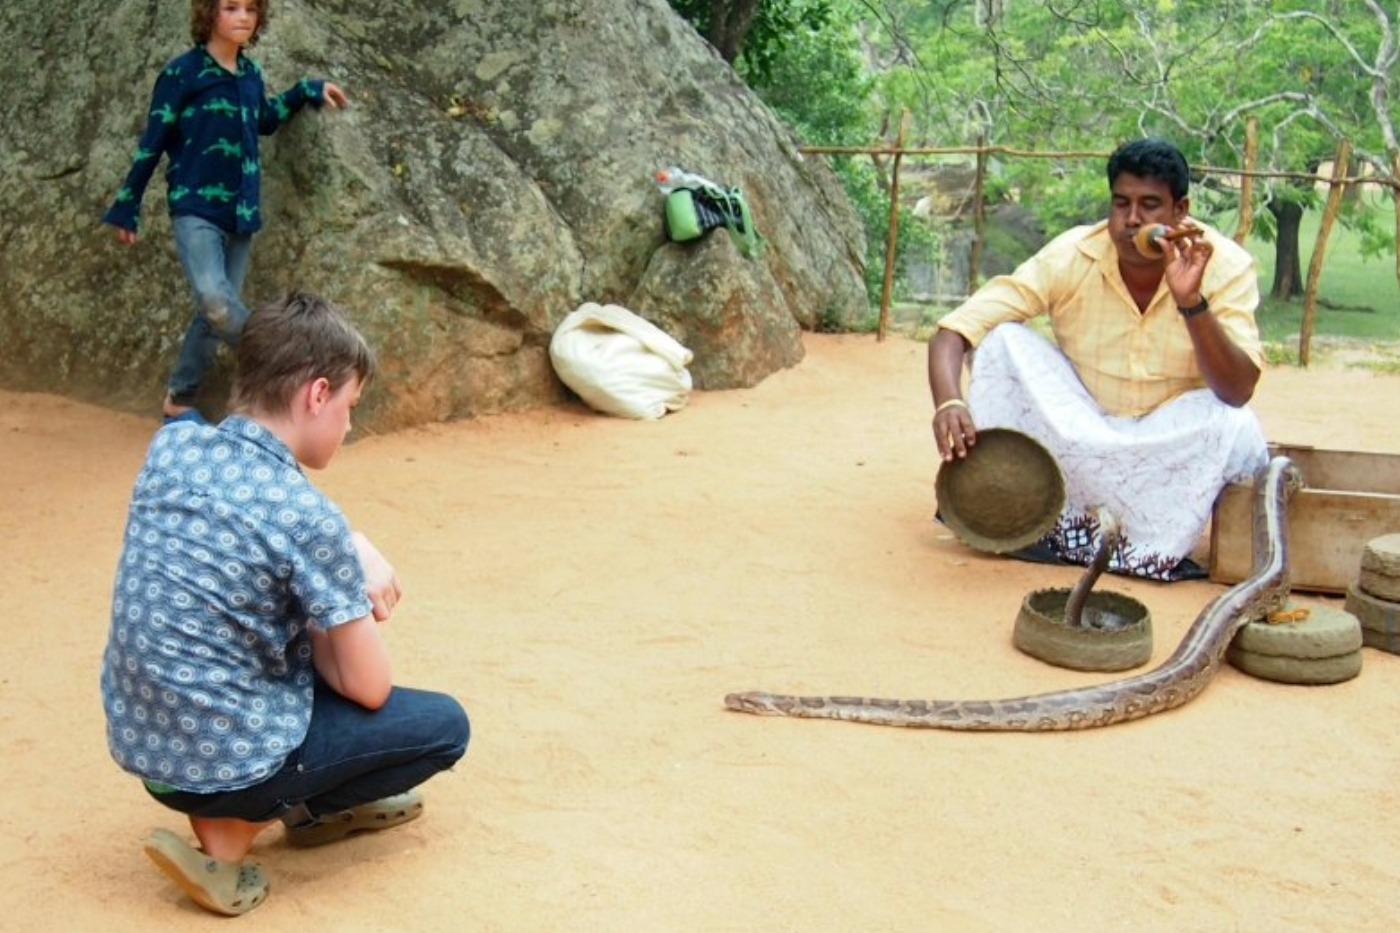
<point x="1373" y="228"/>
<point x="1358" y="298"/>
<point x="1078" y="75"/>
<point x="1082" y="76"/>
<point x="917" y="240"/>
<point x="820" y="88"/>
<point x="859" y="180"/>
<point x="1061" y="194"/>
<point x="1004" y="242"/>
<point x="918" y="243"/>
<point x="774" y="23"/>
<point x="818" y="85"/>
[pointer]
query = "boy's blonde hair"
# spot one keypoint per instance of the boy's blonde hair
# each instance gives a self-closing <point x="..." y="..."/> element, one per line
<point x="291" y="341"/>
<point x="203" y="13"/>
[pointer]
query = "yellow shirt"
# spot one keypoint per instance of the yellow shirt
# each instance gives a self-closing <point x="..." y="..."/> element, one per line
<point x="1130" y="362"/>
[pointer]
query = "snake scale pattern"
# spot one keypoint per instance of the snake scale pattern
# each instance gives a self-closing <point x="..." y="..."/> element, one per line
<point x="1175" y="682"/>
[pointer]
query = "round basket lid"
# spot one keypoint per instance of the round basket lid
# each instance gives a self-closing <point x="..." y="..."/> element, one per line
<point x="1006" y="494"/>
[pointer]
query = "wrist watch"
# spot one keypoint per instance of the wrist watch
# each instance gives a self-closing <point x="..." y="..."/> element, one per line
<point x="1199" y="308"/>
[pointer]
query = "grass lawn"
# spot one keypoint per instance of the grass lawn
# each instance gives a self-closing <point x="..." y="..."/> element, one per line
<point x="1359" y="299"/>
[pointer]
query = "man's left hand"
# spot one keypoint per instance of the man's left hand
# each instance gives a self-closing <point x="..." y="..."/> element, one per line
<point x="1186" y="267"/>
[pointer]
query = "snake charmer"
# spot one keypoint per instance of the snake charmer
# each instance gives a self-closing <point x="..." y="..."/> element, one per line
<point x="1141" y="397"/>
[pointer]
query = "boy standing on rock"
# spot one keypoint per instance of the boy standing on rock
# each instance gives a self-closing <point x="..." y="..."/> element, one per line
<point x="207" y="111"/>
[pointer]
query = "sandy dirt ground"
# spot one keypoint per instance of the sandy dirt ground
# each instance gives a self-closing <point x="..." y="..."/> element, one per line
<point x="591" y="588"/>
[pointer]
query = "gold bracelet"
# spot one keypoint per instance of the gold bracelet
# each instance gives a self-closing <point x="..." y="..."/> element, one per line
<point x="950" y="403"/>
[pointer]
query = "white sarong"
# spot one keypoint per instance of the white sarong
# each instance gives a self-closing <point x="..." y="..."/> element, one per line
<point x="1158" y="475"/>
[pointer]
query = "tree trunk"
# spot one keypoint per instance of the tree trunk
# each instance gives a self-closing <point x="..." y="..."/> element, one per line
<point x="729" y="26"/>
<point x="1288" y="273"/>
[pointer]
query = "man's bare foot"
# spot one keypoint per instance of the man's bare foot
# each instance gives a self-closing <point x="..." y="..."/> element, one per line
<point x="225" y="839"/>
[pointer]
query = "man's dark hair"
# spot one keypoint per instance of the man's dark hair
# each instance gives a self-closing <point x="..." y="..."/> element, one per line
<point x="1152" y="158"/>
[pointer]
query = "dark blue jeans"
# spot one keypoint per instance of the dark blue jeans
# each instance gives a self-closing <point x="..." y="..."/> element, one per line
<point x="215" y="263"/>
<point x="350" y="756"/>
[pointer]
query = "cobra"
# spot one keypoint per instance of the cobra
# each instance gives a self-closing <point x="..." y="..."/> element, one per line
<point x="1178" y="680"/>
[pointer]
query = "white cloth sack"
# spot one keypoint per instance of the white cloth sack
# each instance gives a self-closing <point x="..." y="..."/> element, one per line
<point x="619" y="363"/>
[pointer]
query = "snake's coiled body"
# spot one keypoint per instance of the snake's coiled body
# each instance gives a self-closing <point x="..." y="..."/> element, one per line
<point x="1178" y="680"/>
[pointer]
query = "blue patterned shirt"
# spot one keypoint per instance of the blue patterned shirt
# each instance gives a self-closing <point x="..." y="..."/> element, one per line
<point x="207" y="120"/>
<point x="230" y="554"/>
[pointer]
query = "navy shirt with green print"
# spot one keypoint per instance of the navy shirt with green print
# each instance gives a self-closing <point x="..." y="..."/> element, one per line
<point x="207" y="120"/>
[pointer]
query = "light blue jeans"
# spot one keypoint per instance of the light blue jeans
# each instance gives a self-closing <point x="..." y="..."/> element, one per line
<point x="215" y="263"/>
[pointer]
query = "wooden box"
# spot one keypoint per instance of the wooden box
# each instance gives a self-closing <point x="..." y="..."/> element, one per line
<point x="1348" y="498"/>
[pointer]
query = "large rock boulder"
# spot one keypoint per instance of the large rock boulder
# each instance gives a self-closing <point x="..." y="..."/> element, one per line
<point x="493" y="172"/>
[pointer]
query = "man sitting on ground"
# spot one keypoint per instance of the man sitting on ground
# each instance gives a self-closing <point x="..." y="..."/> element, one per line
<point x="1141" y="398"/>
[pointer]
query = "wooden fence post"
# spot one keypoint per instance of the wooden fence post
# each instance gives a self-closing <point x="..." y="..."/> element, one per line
<point x="1338" y="183"/>
<point x="1329" y="215"/>
<point x="1251" y="158"/>
<point x="892" y="243"/>
<point x="979" y="216"/>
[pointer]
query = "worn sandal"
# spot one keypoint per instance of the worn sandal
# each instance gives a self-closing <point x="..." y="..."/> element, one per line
<point x="228" y="888"/>
<point x="367" y="817"/>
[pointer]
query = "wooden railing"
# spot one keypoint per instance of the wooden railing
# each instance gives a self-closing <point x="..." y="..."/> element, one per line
<point x="1336" y="183"/>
